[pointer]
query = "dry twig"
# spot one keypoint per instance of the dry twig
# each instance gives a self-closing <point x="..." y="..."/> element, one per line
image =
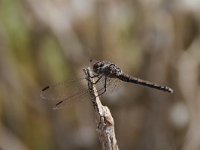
<point x="105" y="122"/>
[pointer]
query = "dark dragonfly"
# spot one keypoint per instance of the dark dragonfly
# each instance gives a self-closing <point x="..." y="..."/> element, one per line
<point x="110" y="70"/>
<point x="105" y="74"/>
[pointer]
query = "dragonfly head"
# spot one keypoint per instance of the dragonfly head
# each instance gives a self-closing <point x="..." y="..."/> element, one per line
<point x="98" y="67"/>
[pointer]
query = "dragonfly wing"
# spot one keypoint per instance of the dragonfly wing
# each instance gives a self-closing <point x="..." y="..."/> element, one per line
<point x="59" y="94"/>
<point x="62" y="92"/>
<point x="112" y="84"/>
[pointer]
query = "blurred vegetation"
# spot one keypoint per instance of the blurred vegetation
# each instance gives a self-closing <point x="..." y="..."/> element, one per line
<point x="44" y="42"/>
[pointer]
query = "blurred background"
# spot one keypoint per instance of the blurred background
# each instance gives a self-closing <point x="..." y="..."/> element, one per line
<point x="45" y="42"/>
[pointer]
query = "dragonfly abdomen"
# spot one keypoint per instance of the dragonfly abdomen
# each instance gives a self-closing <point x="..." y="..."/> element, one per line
<point x="134" y="80"/>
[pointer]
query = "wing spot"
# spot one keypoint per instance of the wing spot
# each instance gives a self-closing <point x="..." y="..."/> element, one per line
<point x="45" y="88"/>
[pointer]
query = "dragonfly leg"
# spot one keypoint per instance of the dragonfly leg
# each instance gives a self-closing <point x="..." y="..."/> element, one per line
<point x="103" y="87"/>
<point x="99" y="78"/>
<point x="94" y="76"/>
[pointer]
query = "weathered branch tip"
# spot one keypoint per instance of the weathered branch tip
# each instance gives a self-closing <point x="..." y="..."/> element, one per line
<point x="104" y="119"/>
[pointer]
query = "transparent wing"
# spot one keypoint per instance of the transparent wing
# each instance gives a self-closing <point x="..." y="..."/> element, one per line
<point x="64" y="92"/>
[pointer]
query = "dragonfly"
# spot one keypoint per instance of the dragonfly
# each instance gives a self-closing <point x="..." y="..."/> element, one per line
<point x="105" y="73"/>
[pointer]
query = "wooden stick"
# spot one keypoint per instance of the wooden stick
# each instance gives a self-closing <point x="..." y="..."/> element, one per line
<point x="104" y="119"/>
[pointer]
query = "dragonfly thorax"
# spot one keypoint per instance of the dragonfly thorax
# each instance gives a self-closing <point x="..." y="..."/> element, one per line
<point x="107" y="69"/>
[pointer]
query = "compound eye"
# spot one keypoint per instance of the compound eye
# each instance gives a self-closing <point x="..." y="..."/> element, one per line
<point x="101" y="65"/>
<point x="95" y="66"/>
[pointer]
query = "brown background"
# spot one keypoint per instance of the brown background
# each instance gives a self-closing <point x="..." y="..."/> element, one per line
<point x="44" y="42"/>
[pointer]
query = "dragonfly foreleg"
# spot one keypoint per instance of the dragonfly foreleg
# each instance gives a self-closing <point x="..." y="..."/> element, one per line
<point x="104" y="87"/>
<point x="99" y="78"/>
<point x="94" y="76"/>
